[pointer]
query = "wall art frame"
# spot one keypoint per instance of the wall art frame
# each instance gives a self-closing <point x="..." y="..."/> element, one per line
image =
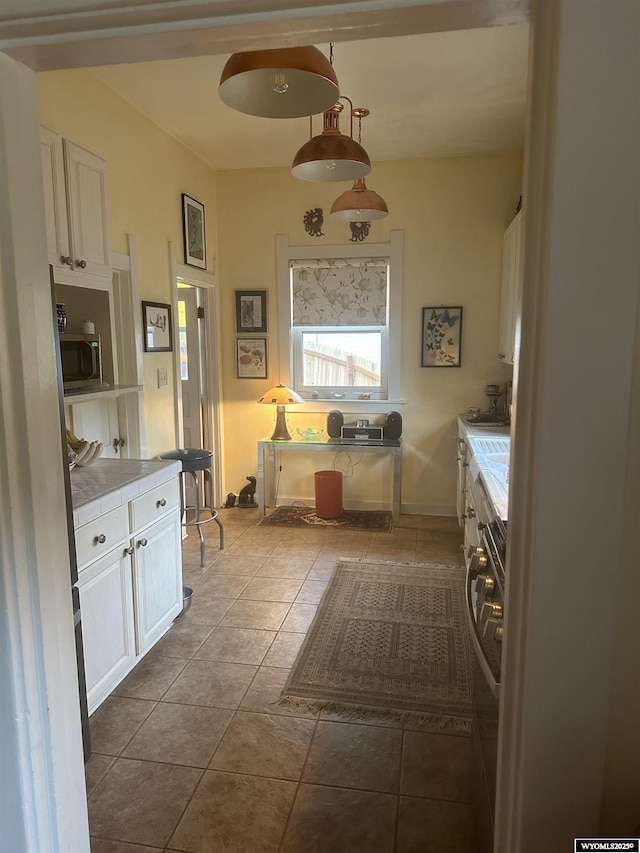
<point x="441" y="336"/>
<point x="251" y="311"/>
<point x="156" y="322"/>
<point x="193" y="230"/>
<point x="251" y="358"/>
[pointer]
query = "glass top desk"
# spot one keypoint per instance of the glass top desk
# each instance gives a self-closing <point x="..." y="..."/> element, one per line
<point x="267" y="448"/>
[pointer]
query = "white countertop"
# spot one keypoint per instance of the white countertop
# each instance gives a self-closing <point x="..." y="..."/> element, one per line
<point x="108" y="483"/>
<point x="490" y="461"/>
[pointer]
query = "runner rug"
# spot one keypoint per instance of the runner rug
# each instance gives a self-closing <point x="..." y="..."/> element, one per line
<point x="351" y="519"/>
<point x="389" y="641"/>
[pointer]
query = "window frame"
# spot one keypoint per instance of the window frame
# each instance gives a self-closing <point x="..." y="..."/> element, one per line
<point x="290" y="339"/>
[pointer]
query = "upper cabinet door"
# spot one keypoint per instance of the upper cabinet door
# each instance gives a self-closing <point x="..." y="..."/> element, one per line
<point x="509" y="332"/>
<point x="55" y="200"/>
<point x="87" y="204"/>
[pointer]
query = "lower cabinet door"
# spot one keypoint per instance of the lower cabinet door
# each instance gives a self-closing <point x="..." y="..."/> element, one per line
<point x="106" y="610"/>
<point x="157" y="578"/>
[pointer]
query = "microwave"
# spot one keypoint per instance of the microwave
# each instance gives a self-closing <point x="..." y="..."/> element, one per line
<point x="81" y="357"/>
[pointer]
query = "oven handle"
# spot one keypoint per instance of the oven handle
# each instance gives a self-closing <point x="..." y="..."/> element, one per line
<point x="494" y="685"/>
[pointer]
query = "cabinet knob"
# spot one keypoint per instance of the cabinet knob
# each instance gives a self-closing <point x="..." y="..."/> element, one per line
<point x="66" y="259"/>
<point x="162" y="502"/>
<point x="101" y="539"/>
<point x="501" y="355"/>
<point x="142" y="543"/>
<point x="471" y="513"/>
<point x="82" y="264"/>
<point x="129" y="551"/>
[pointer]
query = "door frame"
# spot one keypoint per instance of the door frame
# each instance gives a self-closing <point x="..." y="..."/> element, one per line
<point x="212" y="413"/>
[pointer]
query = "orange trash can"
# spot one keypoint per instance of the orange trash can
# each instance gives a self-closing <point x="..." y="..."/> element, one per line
<point x="328" y="487"/>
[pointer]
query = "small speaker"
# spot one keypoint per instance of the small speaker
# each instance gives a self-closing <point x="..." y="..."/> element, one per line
<point x="335" y="420"/>
<point x="393" y="426"/>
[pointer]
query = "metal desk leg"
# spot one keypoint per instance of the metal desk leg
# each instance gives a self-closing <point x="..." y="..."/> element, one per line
<point x="260" y="482"/>
<point x="272" y="478"/>
<point x="397" y="483"/>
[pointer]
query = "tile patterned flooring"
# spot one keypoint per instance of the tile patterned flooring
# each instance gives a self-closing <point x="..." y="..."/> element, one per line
<point x="191" y="754"/>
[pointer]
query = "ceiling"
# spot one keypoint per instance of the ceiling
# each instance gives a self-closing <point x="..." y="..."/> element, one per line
<point x="449" y="93"/>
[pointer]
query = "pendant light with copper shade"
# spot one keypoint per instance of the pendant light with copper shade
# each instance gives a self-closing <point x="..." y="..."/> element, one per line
<point x="287" y="82"/>
<point x="359" y="204"/>
<point x="331" y="156"/>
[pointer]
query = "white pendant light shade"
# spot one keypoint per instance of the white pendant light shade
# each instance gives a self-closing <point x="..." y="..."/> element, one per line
<point x="285" y="82"/>
<point x="359" y="204"/>
<point x="331" y="156"/>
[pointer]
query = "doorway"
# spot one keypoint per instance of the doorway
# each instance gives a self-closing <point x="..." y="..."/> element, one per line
<point x="196" y="372"/>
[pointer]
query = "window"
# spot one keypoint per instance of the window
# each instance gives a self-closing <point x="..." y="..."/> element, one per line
<point x="338" y="320"/>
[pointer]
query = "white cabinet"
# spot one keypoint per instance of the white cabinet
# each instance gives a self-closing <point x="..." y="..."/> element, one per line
<point x="157" y="585"/>
<point x="156" y="544"/>
<point x="75" y="198"/>
<point x="130" y="583"/>
<point x="106" y="607"/>
<point x="512" y="272"/>
<point x="97" y="420"/>
<point x="463" y="463"/>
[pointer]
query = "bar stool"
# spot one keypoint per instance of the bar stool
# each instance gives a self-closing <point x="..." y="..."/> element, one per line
<point x="195" y="460"/>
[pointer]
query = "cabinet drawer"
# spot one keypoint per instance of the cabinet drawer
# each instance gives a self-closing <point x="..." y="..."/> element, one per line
<point x="102" y="534"/>
<point x="154" y="504"/>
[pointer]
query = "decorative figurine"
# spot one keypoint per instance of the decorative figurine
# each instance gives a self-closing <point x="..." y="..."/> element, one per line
<point x="230" y="501"/>
<point x="359" y="230"/>
<point x="245" y="498"/>
<point x="313" y="220"/>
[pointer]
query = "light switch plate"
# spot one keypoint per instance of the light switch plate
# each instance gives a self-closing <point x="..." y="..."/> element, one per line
<point x="162" y="377"/>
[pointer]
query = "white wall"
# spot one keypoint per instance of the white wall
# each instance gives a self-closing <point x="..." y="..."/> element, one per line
<point x="570" y="521"/>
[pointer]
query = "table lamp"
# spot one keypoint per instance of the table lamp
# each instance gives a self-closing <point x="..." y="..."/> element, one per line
<point x="279" y="396"/>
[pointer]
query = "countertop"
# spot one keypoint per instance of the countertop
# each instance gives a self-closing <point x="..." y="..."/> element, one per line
<point x="108" y="483"/>
<point x="490" y="460"/>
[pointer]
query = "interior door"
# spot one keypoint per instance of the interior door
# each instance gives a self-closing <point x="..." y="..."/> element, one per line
<point x="190" y="375"/>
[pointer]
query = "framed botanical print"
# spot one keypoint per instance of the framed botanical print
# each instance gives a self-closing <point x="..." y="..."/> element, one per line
<point x="251" y="311"/>
<point x="251" y="358"/>
<point x="193" y="230"/>
<point x="441" y="336"/>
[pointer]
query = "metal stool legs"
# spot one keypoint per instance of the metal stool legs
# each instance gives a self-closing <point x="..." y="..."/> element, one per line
<point x="199" y="508"/>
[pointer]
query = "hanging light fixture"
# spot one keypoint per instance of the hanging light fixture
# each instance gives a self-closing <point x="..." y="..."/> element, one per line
<point x="331" y="156"/>
<point x="286" y="82"/>
<point x="359" y="204"/>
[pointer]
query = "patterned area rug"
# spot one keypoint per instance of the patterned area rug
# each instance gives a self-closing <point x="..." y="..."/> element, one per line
<point x="351" y="519"/>
<point x="389" y="640"/>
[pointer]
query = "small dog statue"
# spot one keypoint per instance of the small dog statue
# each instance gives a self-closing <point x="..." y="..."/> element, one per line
<point x="245" y="498"/>
<point x="231" y="501"/>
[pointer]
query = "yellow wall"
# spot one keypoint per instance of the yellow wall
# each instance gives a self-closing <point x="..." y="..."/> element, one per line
<point x="453" y="212"/>
<point x="147" y="172"/>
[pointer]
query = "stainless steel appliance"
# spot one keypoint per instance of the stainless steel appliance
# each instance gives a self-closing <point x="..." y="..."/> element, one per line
<point x="81" y="358"/>
<point x="485" y="606"/>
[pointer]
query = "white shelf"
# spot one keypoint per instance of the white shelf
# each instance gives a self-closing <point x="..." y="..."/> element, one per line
<point x="85" y="395"/>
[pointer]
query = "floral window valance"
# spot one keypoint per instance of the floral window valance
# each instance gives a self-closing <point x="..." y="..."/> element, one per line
<point x="340" y="292"/>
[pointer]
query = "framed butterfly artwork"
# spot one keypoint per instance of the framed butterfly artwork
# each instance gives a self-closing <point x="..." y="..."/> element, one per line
<point x="442" y="336"/>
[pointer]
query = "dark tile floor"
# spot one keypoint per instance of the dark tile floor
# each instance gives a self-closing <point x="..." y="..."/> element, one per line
<point x="191" y="754"/>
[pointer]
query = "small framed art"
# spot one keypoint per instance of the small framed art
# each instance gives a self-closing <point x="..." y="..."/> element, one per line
<point x="441" y="336"/>
<point x="193" y="230"/>
<point x="251" y="311"/>
<point x="156" y="319"/>
<point x="251" y="358"/>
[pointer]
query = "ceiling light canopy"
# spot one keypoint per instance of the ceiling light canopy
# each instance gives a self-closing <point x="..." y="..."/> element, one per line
<point x="286" y="82"/>
<point x="359" y="204"/>
<point x="331" y="156"/>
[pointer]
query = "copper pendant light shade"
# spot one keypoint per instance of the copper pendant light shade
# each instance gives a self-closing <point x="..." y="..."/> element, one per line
<point x="331" y="156"/>
<point x="359" y="204"/>
<point x="285" y="82"/>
